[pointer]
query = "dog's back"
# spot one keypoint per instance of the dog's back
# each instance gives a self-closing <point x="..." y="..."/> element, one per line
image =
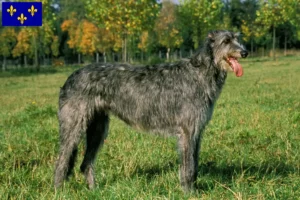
<point x="153" y="98"/>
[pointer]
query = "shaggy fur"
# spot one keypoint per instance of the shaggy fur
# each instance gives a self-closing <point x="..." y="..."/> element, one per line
<point x="169" y="99"/>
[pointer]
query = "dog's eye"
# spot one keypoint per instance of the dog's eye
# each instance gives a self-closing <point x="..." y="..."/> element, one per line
<point x="226" y="41"/>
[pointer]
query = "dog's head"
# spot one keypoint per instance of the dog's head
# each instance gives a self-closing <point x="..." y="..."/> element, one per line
<point x="227" y="50"/>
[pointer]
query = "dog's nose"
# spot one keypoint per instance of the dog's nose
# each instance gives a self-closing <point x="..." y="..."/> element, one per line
<point x="244" y="53"/>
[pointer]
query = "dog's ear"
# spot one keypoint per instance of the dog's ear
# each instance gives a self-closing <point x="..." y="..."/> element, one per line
<point x="237" y="34"/>
<point x="211" y="36"/>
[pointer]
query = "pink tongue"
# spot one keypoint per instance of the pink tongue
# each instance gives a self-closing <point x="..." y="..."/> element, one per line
<point x="237" y="68"/>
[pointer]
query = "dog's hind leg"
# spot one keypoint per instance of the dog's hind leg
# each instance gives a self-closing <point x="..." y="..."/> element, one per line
<point x="72" y="123"/>
<point x="96" y="133"/>
<point x="189" y="145"/>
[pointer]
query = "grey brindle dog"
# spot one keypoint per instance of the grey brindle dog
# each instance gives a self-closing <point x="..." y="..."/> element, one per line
<point x="169" y="99"/>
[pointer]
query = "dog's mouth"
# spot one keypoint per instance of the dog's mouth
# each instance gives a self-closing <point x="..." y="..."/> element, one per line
<point x="235" y="65"/>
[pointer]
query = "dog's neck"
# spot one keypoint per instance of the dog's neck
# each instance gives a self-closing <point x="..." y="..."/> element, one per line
<point x="205" y="61"/>
<point x="208" y="71"/>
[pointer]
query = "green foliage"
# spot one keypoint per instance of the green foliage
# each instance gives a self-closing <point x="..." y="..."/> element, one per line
<point x="8" y="39"/>
<point x="155" y="60"/>
<point x="55" y="46"/>
<point x="166" y="26"/>
<point x="123" y="17"/>
<point x="250" y="149"/>
<point x="147" y="27"/>
<point x="144" y="41"/>
<point x="201" y="16"/>
<point x="68" y="7"/>
<point x="276" y="12"/>
<point x="23" y="43"/>
<point x="271" y="13"/>
<point x="36" y="41"/>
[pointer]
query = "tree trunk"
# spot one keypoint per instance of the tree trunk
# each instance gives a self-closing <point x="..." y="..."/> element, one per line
<point x="191" y="52"/>
<point x="97" y="57"/>
<point x="79" y="59"/>
<point x="168" y="54"/>
<point x="124" y="49"/>
<point x="142" y="56"/>
<point x="148" y="57"/>
<point x="104" y="57"/>
<point x="180" y="54"/>
<point x="251" y="46"/>
<point x="159" y="54"/>
<point x="36" y="59"/>
<point x="4" y="63"/>
<point x="25" y="60"/>
<point x="44" y="59"/>
<point x="175" y="55"/>
<point x="285" y="42"/>
<point x="274" y="42"/>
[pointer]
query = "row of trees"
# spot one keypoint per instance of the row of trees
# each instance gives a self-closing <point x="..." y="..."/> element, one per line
<point x="29" y="42"/>
<point x="128" y="28"/>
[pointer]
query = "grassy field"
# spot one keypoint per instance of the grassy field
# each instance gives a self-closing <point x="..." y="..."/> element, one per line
<point x="250" y="150"/>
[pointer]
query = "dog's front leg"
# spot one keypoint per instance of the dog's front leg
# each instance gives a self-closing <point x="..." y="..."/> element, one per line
<point x="189" y="145"/>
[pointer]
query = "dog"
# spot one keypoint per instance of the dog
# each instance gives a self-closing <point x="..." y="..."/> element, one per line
<point x="172" y="99"/>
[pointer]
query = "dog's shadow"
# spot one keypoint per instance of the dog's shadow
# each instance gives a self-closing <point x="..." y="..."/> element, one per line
<point x="152" y="171"/>
<point x="211" y="173"/>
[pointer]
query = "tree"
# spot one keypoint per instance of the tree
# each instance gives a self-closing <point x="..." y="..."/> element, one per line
<point x="123" y="18"/>
<point x="55" y="46"/>
<point x="8" y="39"/>
<point x="250" y="28"/>
<point x="106" y="40"/>
<point x="72" y="26"/>
<point x="67" y="10"/>
<point x="94" y="40"/>
<point x="143" y="44"/>
<point x="67" y="7"/>
<point x="166" y="27"/>
<point x="23" y="45"/>
<point x="47" y="39"/>
<point x="86" y="38"/>
<point x="291" y="14"/>
<point x="38" y="38"/>
<point x="273" y="13"/>
<point x="203" y="16"/>
<point x="87" y="44"/>
<point x="236" y="12"/>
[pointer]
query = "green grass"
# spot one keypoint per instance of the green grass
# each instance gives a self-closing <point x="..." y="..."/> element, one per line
<point x="250" y="150"/>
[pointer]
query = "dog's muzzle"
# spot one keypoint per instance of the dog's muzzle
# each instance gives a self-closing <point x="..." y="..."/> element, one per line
<point x="244" y="53"/>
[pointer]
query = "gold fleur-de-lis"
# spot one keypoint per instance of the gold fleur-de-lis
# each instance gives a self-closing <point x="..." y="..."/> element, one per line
<point x="32" y="10"/>
<point x="22" y="18"/>
<point x="11" y="10"/>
